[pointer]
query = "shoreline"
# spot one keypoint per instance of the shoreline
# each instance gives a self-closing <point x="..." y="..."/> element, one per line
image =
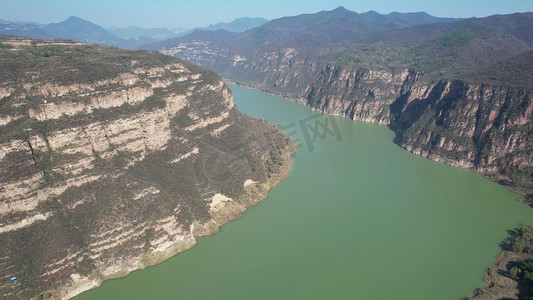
<point x="496" y="283"/>
<point x="525" y="196"/>
<point x="229" y="212"/>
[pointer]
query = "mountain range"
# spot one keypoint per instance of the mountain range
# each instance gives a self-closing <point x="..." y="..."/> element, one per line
<point x="78" y="29"/>
<point x="369" y="39"/>
<point x="397" y="54"/>
<point x="455" y="91"/>
<point x="87" y="129"/>
<point x="135" y="32"/>
<point x="25" y="30"/>
<point x="237" y="25"/>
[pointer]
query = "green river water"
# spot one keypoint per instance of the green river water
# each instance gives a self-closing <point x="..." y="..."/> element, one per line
<point x="358" y="218"/>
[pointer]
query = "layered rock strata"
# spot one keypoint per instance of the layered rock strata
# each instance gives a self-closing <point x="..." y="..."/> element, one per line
<point x="111" y="161"/>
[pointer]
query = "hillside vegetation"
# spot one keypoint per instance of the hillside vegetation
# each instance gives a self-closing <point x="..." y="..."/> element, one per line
<point x="114" y="160"/>
<point x="455" y="91"/>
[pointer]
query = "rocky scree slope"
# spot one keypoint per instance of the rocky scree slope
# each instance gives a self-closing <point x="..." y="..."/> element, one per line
<point x="111" y="161"/>
<point x="456" y="92"/>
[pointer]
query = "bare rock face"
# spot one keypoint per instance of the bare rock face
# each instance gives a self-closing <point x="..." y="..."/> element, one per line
<point x="358" y="94"/>
<point x="466" y="123"/>
<point x="488" y="128"/>
<point x="111" y="161"/>
<point x="458" y="93"/>
<point x="485" y="127"/>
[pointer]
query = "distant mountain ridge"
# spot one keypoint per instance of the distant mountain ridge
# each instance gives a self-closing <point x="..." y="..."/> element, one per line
<point x="25" y="30"/>
<point x="238" y="25"/>
<point x="78" y="29"/>
<point x="73" y="28"/>
<point x="131" y="37"/>
<point x="325" y="27"/>
<point x="412" y="18"/>
<point x="2" y="21"/>
<point x="372" y="40"/>
<point x="135" y="32"/>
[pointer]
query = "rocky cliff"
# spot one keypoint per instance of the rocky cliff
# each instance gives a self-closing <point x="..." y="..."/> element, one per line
<point x="483" y="126"/>
<point x="457" y="93"/>
<point x="486" y="127"/>
<point x="111" y="161"/>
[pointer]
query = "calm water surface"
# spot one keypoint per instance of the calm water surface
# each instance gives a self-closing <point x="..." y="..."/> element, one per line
<point x="359" y="218"/>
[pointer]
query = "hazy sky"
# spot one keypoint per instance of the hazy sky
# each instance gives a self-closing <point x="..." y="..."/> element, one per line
<point x="189" y="14"/>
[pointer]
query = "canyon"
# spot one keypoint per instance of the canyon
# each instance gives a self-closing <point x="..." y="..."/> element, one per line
<point x="455" y="92"/>
<point x="113" y="160"/>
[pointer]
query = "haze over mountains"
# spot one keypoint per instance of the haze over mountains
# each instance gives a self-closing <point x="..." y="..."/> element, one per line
<point x="81" y="30"/>
<point x="134" y="32"/>
<point x="130" y="37"/>
<point x="322" y="28"/>
<point x="133" y="37"/>
<point x="395" y="40"/>
<point x="238" y="25"/>
<point x="419" y="41"/>
<point x="25" y="30"/>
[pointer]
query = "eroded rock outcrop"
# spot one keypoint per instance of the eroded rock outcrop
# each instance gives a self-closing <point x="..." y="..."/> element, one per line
<point x="456" y="93"/>
<point x="111" y="161"/>
<point x="485" y="127"/>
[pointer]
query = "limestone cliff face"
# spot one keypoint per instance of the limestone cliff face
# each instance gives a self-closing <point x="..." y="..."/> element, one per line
<point x="486" y="127"/>
<point x="358" y="94"/>
<point x="111" y="161"/>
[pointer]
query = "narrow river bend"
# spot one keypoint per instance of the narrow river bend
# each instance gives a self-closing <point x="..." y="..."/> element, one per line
<point x="359" y="218"/>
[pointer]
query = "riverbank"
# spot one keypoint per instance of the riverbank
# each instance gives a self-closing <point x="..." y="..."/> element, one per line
<point x="226" y="211"/>
<point x="349" y="210"/>
<point x="498" y="283"/>
<point x="510" y="276"/>
<point x="527" y="196"/>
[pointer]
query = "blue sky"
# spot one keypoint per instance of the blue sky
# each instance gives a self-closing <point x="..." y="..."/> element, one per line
<point x="189" y="14"/>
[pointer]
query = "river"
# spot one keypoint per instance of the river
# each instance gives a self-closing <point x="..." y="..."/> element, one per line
<point x="358" y="218"/>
